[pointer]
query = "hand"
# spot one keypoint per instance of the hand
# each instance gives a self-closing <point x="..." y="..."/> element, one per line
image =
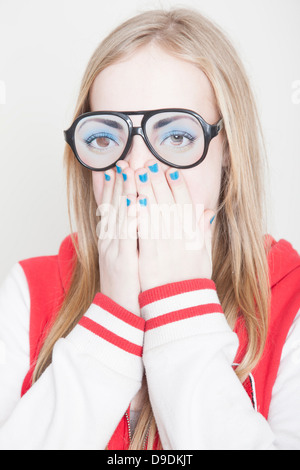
<point x="117" y="245"/>
<point x="163" y="258"/>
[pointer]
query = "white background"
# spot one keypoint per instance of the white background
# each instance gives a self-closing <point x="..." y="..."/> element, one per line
<point x="44" y="49"/>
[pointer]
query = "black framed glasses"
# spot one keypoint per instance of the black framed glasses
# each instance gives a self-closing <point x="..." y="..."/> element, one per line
<point x="177" y="137"/>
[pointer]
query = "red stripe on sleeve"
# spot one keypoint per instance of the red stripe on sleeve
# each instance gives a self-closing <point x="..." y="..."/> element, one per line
<point x="174" y="288"/>
<point x="115" y="309"/>
<point x="182" y="314"/>
<point x="111" y="337"/>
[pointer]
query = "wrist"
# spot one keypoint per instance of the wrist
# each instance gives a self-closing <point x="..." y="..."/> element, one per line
<point x="198" y="294"/>
<point x="125" y="301"/>
<point x="179" y="310"/>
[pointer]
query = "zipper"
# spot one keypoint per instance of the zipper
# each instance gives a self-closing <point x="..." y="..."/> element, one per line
<point x="129" y="431"/>
<point x="146" y="438"/>
<point x="128" y="425"/>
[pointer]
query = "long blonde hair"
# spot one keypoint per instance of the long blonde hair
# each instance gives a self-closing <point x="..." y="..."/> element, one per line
<point x="240" y="268"/>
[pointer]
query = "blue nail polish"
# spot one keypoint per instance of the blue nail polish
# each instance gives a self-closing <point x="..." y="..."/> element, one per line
<point x="143" y="202"/>
<point x="119" y="169"/>
<point x="153" y="168"/>
<point x="107" y="177"/>
<point x="212" y="219"/>
<point x="143" y="178"/>
<point x="124" y="176"/>
<point x="128" y="202"/>
<point x="174" y="176"/>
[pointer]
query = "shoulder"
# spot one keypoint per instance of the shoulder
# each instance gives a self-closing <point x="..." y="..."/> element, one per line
<point x="33" y="288"/>
<point x="31" y="295"/>
<point x="46" y="272"/>
<point x="14" y="337"/>
<point x="14" y="321"/>
<point x="14" y="290"/>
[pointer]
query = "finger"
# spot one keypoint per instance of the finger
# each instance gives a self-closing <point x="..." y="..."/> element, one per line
<point x="108" y="187"/>
<point x="208" y="221"/>
<point x="143" y="185"/>
<point x="118" y="188"/>
<point x="127" y="195"/>
<point x="160" y="187"/>
<point x="143" y="218"/>
<point x="103" y="209"/>
<point x="188" y="214"/>
<point x="129" y="184"/>
<point x="128" y="224"/>
<point x="178" y="186"/>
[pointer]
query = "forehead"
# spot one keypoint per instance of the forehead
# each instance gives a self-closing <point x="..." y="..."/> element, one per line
<point x="152" y="79"/>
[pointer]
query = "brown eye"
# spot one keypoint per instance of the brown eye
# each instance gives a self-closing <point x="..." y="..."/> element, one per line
<point x="102" y="141"/>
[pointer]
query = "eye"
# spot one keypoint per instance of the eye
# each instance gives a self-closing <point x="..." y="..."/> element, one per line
<point x="101" y="141"/>
<point x="178" y="139"/>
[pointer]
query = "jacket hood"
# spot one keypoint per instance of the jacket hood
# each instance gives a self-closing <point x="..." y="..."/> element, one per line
<point x="67" y="260"/>
<point x="282" y="259"/>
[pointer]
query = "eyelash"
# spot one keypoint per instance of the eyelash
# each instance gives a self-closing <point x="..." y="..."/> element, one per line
<point x="181" y="134"/>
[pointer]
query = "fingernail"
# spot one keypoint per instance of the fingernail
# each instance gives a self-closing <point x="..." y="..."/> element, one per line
<point x="212" y="219"/>
<point x="174" y="176"/>
<point x="143" y="178"/>
<point x="124" y="176"/>
<point x="143" y="202"/>
<point x="128" y="202"/>
<point x="119" y="169"/>
<point x="153" y="168"/>
<point x="107" y="177"/>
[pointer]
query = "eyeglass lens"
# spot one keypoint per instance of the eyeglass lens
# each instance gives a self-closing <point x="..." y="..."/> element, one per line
<point x="177" y="137"/>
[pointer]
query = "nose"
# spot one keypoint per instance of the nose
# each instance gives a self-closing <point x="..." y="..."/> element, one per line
<point x="138" y="153"/>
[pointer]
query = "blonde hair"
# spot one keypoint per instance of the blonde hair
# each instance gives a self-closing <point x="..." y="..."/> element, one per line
<point x="240" y="268"/>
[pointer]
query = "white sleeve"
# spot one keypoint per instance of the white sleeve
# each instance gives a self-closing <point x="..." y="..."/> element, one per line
<point x="189" y="349"/>
<point x="284" y="412"/>
<point x="14" y="338"/>
<point x="79" y="400"/>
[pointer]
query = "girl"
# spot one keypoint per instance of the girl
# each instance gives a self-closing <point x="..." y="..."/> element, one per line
<point x="168" y="320"/>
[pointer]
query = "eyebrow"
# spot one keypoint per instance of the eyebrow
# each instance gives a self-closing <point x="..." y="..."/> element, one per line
<point x="114" y="124"/>
<point x="107" y="122"/>
<point x="166" y="121"/>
